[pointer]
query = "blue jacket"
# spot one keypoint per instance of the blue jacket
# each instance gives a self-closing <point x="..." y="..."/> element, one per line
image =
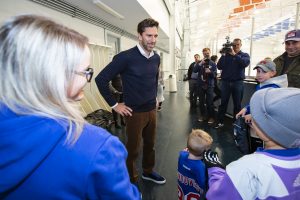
<point x="274" y="82"/>
<point x="35" y="162"/>
<point x="233" y="67"/>
<point x="139" y="78"/>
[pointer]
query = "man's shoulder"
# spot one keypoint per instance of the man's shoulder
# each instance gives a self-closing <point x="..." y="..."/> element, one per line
<point x="130" y="51"/>
<point x="243" y="53"/>
<point x="192" y="64"/>
<point x="134" y="48"/>
<point x="280" y="57"/>
<point x="156" y="54"/>
<point x="133" y="52"/>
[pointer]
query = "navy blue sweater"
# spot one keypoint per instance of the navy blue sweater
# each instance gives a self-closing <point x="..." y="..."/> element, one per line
<point x="139" y="77"/>
<point x="233" y="67"/>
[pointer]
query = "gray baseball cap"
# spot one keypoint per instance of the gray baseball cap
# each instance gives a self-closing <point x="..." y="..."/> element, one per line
<point x="276" y="112"/>
<point x="266" y="65"/>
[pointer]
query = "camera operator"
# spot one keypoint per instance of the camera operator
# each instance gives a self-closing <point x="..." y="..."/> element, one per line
<point x="206" y="70"/>
<point x="232" y="63"/>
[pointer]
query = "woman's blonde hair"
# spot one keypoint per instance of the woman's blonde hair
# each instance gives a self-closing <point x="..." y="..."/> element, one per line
<point x="38" y="58"/>
<point x="198" y="142"/>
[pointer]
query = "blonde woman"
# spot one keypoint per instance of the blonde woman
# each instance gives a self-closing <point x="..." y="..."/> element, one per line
<point x="47" y="150"/>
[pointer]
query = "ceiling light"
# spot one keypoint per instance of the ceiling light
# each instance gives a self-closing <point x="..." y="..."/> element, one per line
<point x="108" y="9"/>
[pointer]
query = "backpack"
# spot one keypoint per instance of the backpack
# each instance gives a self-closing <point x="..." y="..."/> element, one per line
<point x="101" y="118"/>
<point x="241" y="135"/>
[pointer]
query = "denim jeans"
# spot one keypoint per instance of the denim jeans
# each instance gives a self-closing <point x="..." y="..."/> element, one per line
<point x="228" y="88"/>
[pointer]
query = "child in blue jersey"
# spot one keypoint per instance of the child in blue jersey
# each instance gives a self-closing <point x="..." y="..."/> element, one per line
<point x="265" y="72"/>
<point x="272" y="172"/>
<point x="191" y="169"/>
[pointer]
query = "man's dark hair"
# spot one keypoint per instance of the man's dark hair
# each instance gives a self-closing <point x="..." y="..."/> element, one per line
<point x="145" y="24"/>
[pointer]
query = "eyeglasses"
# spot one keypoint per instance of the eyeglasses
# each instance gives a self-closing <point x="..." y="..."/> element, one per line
<point x="88" y="73"/>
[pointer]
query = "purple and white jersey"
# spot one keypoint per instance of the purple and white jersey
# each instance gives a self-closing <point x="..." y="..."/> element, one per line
<point x="261" y="175"/>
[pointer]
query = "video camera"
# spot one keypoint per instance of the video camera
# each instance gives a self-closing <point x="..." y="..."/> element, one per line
<point x="226" y="46"/>
<point x="204" y="75"/>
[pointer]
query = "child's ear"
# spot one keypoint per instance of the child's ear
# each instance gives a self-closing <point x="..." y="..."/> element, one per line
<point x="273" y="73"/>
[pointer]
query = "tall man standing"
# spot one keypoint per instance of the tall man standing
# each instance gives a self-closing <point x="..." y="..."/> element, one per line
<point x="138" y="67"/>
<point x="193" y="83"/>
<point x="232" y="64"/>
<point x="206" y="70"/>
<point x="289" y="62"/>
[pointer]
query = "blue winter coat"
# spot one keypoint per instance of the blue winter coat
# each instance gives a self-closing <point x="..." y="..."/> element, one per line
<point x="35" y="162"/>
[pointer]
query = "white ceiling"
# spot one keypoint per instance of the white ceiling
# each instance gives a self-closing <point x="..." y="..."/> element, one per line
<point x="207" y="18"/>
<point x="130" y="9"/>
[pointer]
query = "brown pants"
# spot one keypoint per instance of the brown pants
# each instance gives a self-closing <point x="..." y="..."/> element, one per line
<point x="138" y="126"/>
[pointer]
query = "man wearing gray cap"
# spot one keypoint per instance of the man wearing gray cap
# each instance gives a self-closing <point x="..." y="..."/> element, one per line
<point x="272" y="172"/>
<point x="289" y="62"/>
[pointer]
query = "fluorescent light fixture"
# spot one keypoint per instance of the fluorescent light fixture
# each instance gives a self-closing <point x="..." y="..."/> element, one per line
<point x="108" y="9"/>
